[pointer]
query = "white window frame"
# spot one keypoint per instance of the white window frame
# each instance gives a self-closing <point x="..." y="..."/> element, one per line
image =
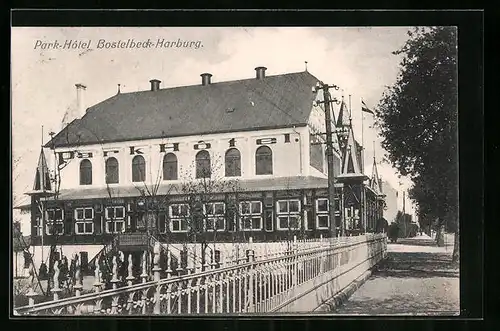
<point x="38" y="226"/>
<point x="84" y="220"/>
<point x="180" y="219"/>
<point x="322" y="213"/>
<point x="115" y="219"/>
<point x="288" y="214"/>
<point x="49" y="222"/>
<point x="214" y="218"/>
<point x="250" y="215"/>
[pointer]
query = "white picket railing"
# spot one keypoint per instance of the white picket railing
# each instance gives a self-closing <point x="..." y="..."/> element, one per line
<point x="269" y="277"/>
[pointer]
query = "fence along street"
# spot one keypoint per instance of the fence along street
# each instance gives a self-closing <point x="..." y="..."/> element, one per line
<point x="274" y="277"/>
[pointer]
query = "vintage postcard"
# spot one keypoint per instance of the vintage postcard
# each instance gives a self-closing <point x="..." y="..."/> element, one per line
<point x="234" y="170"/>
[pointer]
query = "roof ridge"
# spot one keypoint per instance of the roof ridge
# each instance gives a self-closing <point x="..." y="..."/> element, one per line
<point x="212" y="83"/>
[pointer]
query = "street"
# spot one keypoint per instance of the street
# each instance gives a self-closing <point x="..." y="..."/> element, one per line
<point x="416" y="279"/>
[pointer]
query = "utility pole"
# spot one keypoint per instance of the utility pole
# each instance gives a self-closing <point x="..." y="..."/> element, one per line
<point x="327" y="99"/>
<point x="404" y="212"/>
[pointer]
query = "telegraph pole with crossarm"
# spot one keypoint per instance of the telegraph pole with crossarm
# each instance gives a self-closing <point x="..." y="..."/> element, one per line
<point x="327" y="100"/>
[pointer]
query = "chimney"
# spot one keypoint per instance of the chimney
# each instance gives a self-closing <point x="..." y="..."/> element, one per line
<point x="205" y="78"/>
<point x="261" y="72"/>
<point x="155" y="84"/>
<point x="80" y="100"/>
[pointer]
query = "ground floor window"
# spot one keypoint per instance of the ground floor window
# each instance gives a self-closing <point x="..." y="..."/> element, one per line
<point x="54" y="224"/>
<point x="288" y="214"/>
<point x="215" y="216"/>
<point x="84" y="220"/>
<point x="251" y="215"/>
<point x="322" y="216"/>
<point x="178" y="217"/>
<point x="38" y="226"/>
<point x="115" y="219"/>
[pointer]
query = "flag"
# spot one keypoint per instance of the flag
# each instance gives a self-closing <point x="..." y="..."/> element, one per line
<point x="365" y="108"/>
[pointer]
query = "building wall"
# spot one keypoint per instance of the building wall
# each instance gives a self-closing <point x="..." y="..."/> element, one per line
<point x="289" y="158"/>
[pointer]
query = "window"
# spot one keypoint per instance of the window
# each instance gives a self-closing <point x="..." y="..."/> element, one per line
<point x="203" y="165"/>
<point x="84" y="220"/>
<point x="251" y="215"/>
<point x="288" y="214"/>
<point x="112" y="173"/>
<point x="54" y="221"/>
<point x="115" y="219"/>
<point x="233" y="163"/>
<point x="178" y="215"/>
<point x="215" y="220"/>
<point x="38" y="226"/>
<point x="85" y="172"/>
<point x="170" y="167"/>
<point x="263" y="161"/>
<point x="138" y="169"/>
<point x="322" y="216"/>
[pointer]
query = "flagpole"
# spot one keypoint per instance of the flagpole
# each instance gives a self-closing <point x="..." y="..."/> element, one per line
<point x="362" y="141"/>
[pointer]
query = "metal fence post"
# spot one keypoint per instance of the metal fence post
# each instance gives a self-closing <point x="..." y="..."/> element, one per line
<point x="78" y="279"/>
<point x="295" y="261"/>
<point x="56" y="288"/>
<point x="31" y="293"/>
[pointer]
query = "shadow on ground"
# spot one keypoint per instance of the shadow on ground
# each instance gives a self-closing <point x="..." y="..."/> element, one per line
<point x="421" y="242"/>
<point x="418" y="264"/>
<point x="399" y="304"/>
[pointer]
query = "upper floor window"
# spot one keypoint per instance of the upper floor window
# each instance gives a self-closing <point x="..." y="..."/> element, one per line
<point x="112" y="172"/>
<point x="55" y="221"/>
<point x="288" y="214"/>
<point x="84" y="220"/>
<point x="263" y="161"/>
<point x="233" y="163"/>
<point x="178" y="217"/>
<point x="115" y="219"/>
<point x="203" y="164"/>
<point x="170" y="167"/>
<point x="85" y="172"/>
<point x="138" y="169"/>
<point x="251" y="215"/>
<point x="215" y="216"/>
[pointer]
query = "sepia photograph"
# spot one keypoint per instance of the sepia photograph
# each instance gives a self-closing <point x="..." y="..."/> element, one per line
<point x="234" y="171"/>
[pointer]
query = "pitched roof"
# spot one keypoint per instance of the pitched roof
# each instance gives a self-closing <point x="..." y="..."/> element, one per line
<point x="42" y="183"/>
<point x="344" y="117"/>
<point x="375" y="179"/>
<point x="275" y="101"/>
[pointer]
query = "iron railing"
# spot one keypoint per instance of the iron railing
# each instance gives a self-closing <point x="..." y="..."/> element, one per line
<point x="258" y="285"/>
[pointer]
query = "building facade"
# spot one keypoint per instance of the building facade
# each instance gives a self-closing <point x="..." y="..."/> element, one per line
<point x="216" y="161"/>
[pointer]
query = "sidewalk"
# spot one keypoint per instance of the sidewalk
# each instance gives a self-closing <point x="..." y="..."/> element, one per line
<point x="416" y="279"/>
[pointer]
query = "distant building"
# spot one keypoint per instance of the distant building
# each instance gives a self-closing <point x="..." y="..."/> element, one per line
<point x="391" y="201"/>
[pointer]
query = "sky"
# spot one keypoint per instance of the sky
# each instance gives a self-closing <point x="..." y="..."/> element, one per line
<point x="358" y="60"/>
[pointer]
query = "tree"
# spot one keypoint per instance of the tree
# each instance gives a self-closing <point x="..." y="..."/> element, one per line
<point x="418" y="121"/>
<point x="212" y="206"/>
